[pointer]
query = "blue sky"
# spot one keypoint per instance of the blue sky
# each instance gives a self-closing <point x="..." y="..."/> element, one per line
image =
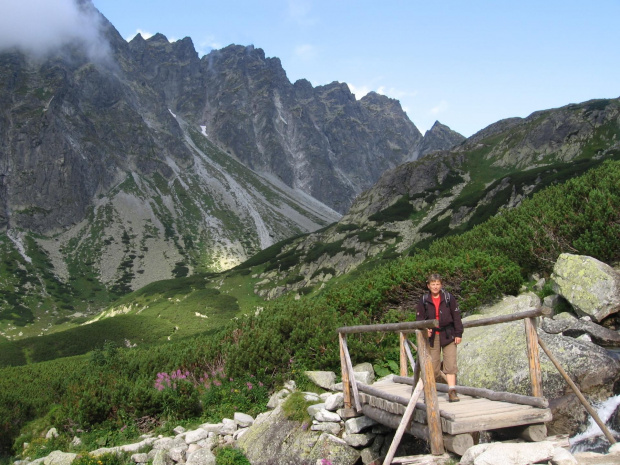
<point x="464" y="63"/>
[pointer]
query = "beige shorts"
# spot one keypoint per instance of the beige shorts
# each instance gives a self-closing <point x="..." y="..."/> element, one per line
<point x="449" y="359"/>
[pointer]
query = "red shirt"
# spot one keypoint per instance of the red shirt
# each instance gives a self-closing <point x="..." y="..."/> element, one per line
<point x="436" y="302"/>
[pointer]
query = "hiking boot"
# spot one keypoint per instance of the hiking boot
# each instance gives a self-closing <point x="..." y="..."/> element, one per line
<point x="452" y="397"/>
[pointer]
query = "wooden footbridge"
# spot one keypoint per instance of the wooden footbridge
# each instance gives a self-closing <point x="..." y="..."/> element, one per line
<point x="419" y="406"/>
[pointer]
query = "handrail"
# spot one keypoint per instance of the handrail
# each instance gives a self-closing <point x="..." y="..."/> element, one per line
<point x="389" y="327"/>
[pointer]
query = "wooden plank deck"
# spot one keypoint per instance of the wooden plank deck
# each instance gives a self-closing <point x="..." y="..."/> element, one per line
<point x="469" y="415"/>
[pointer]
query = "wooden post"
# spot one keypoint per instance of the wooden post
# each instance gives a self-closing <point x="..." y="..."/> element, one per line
<point x="533" y="357"/>
<point x="352" y="380"/>
<point x="577" y="392"/>
<point x="403" y="355"/>
<point x="346" y="387"/>
<point x="403" y="423"/>
<point x="430" y="393"/>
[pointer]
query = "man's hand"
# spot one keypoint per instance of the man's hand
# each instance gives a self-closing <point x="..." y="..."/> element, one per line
<point x="457" y="340"/>
<point x="430" y="332"/>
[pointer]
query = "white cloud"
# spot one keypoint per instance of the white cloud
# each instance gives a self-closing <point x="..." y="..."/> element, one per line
<point x="306" y="52"/>
<point x="299" y="11"/>
<point x="40" y="27"/>
<point x="145" y="35"/>
<point x="441" y="107"/>
<point x="360" y="91"/>
<point x="391" y="92"/>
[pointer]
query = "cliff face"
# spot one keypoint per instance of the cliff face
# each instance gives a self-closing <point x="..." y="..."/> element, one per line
<point x="451" y="191"/>
<point x="149" y="162"/>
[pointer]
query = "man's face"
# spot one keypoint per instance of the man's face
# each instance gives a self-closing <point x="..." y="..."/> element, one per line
<point x="434" y="287"/>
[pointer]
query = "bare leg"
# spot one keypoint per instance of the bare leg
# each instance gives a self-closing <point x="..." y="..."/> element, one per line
<point x="451" y="379"/>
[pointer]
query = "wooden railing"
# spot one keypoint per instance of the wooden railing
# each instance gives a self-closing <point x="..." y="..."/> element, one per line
<point x="423" y="374"/>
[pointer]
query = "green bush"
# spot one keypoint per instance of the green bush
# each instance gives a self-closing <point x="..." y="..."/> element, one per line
<point x="401" y="210"/>
<point x="230" y="456"/>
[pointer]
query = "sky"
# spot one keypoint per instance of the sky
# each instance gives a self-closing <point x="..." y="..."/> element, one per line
<point x="466" y="64"/>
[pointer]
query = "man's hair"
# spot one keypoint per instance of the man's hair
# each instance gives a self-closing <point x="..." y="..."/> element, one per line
<point x="433" y="277"/>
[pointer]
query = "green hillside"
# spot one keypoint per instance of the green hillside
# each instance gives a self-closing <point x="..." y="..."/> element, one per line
<point x="113" y="389"/>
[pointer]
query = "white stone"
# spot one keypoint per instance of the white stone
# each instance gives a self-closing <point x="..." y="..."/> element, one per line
<point x="333" y="428"/>
<point x="325" y="415"/>
<point x="334" y="402"/>
<point x="562" y="457"/>
<point x="52" y="433"/>
<point x="229" y="427"/>
<point x="201" y="457"/>
<point x="358" y="424"/>
<point x="311" y="397"/>
<point x="498" y="453"/>
<point x="212" y="427"/>
<point x="140" y="458"/>
<point x="358" y="440"/>
<point x="196" y="435"/>
<point x="290" y="385"/>
<point x="243" y="420"/>
<point x="324" y="379"/>
<point x="59" y="458"/>
<point x="178" y="453"/>
<point x="313" y="409"/>
<point x="179" y="430"/>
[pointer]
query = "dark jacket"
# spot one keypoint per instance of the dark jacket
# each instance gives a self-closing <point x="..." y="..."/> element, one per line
<point x="450" y="324"/>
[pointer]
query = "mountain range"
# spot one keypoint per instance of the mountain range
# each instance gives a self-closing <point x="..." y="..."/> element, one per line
<point x="148" y="162"/>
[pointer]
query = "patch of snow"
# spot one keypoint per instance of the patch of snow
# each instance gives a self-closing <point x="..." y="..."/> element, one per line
<point x="203" y="130"/>
<point x="17" y="240"/>
<point x="172" y="113"/>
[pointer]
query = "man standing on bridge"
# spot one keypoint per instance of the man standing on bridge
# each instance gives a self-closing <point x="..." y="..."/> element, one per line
<point x="441" y="305"/>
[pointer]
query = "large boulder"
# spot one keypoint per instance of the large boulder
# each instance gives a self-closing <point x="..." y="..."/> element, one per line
<point x="495" y="357"/>
<point x="275" y="439"/>
<point x="569" y="325"/>
<point x="589" y="285"/>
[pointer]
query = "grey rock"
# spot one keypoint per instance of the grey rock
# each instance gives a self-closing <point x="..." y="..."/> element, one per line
<point x="201" y="457"/>
<point x="197" y="435"/>
<point x="290" y="385"/>
<point x="562" y="457"/>
<point x="147" y="442"/>
<point x="105" y="450"/>
<point x="569" y="325"/>
<point x="358" y="440"/>
<point x="508" y="453"/>
<point x="140" y="458"/>
<point x="332" y="428"/>
<point x="334" y="449"/>
<point x="163" y="443"/>
<point x="334" y="402"/>
<point x="177" y="453"/>
<point x="551" y="300"/>
<point x="162" y="458"/>
<point x="590" y="286"/>
<point x="179" y="430"/>
<point x="497" y="359"/>
<point x="243" y="420"/>
<point x="314" y="409"/>
<point x="324" y="379"/>
<point x="358" y="424"/>
<point x="229" y="426"/>
<point x="274" y="439"/>
<point x="277" y="398"/>
<point x="59" y="458"/>
<point x="51" y="433"/>
<point x="369" y="455"/>
<point x="365" y="368"/>
<point x="325" y="415"/>
<point x="311" y="397"/>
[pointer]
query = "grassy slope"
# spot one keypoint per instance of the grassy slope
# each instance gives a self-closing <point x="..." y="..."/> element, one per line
<point x="581" y="216"/>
